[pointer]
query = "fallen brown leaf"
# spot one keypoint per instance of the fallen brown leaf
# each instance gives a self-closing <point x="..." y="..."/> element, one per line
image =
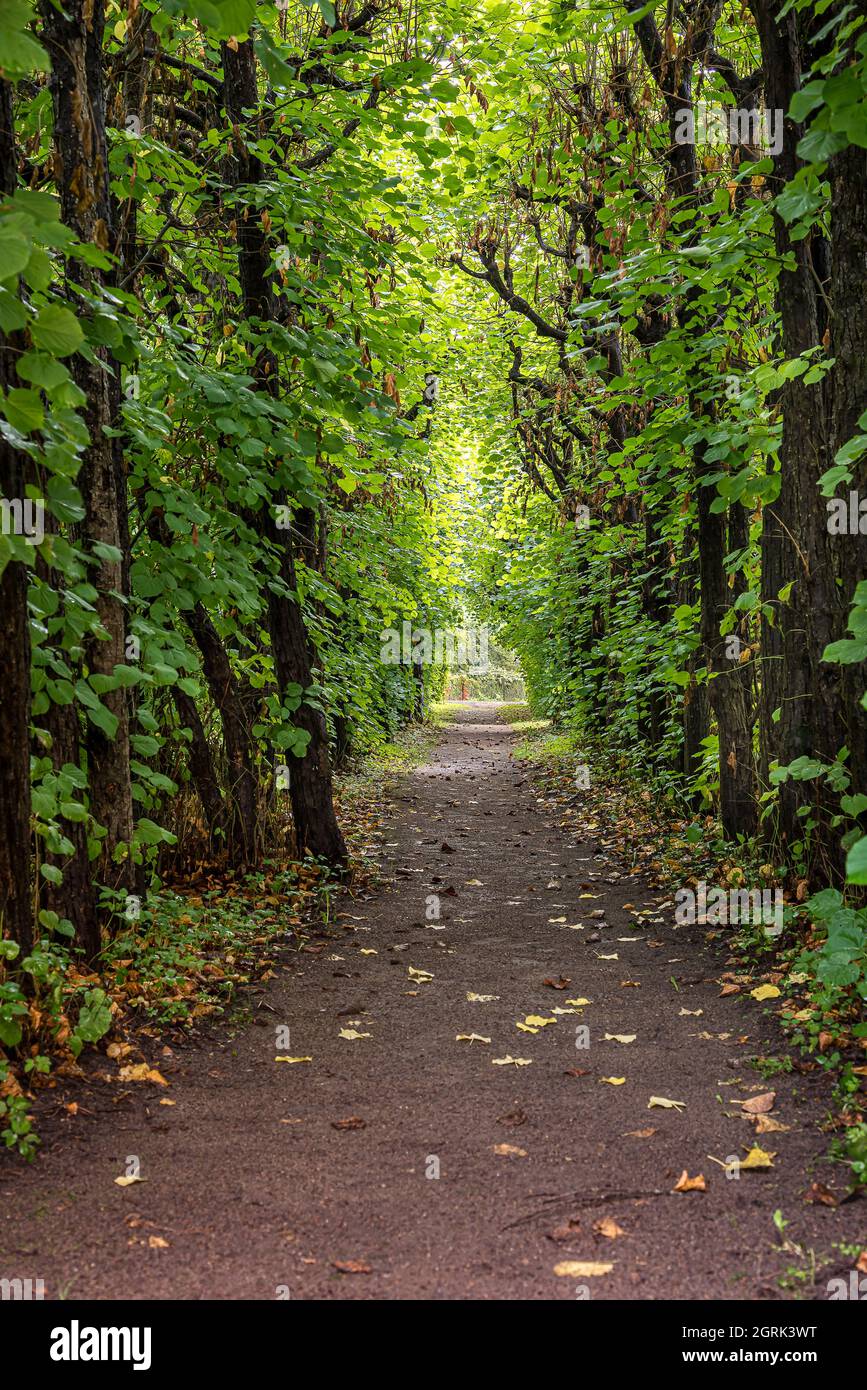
<point x="766" y="1124"/>
<point x="609" y="1228"/>
<point x="758" y="1105"/>
<point x="820" y="1195"/>
<point x="687" y="1184"/>
<point x="567" y="1232"/>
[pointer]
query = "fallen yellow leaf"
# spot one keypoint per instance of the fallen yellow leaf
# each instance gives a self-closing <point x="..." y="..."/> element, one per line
<point x="757" y="1158"/>
<point x="352" y="1034"/>
<point x="471" y="1037"/>
<point x="140" y="1071"/>
<point x="687" y="1184"/>
<point x="619" y="1037"/>
<point x="765" y="992"/>
<point x="662" y="1103"/>
<point x="581" y="1269"/>
<point x="511" y="1061"/>
<point x="505" y="1150"/>
<point x="293" y="1059"/>
<point x="613" y="1080"/>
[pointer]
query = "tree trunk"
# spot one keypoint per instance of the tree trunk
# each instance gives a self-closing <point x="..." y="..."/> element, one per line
<point x="728" y="681"/>
<point x="848" y="390"/>
<point x="73" y="38"/>
<point x="16" y="912"/>
<point x="310" y="788"/>
<point x="795" y="542"/>
<point x="243" y="831"/>
<point x="201" y="765"/>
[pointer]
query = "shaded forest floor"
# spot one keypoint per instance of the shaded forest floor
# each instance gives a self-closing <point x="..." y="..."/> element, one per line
<point x="397" y="1158"/>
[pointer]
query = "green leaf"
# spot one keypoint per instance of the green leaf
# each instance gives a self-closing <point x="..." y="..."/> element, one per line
<point x="14" y="248"/>
<point x="856" y="862"/>
<point x="57" y="330"/>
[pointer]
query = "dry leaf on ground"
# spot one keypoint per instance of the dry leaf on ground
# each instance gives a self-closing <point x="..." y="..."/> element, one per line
<point x="566" y="1232"/>
<point x="140" y="1071"/>
<point x="757" y="1158"/>
<point x="757" y="1105"/>
<point x="608" y="1227"/>
<point x="687" y="1184"/>
<point x="663" y="1103"/>
<point x="766" y="1124"/>
<point x="765" y="992"/>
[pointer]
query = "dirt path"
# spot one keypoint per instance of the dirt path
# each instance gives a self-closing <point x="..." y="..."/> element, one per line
<point x="253" y="1189"/>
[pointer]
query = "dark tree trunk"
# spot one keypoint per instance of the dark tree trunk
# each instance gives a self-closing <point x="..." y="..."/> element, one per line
<point x="848" y="389"/>
<point x="728" y="681"/>
<point x="243" y="832"/>
<point x="727" y="690"/>
<point x="240" y="819"/>
<point x="73" y="38"/>
<point x="16" y="911"/>
<point x="796" y="547"/>
<point x="74" y="898"/>
<point x="696" y="709"/>
<point x="310" y="788"/>
<point x="201" y="765"/>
